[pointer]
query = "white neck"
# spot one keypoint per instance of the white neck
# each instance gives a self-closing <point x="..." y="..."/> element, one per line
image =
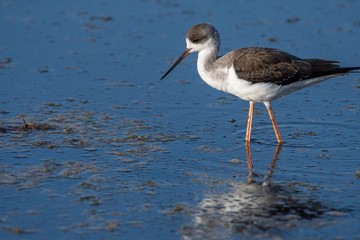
<point x="208" y="55"/>
<point x="207" y="72"/>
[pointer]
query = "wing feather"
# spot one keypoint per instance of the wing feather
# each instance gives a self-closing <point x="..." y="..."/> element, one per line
<point x="270" y="66"/>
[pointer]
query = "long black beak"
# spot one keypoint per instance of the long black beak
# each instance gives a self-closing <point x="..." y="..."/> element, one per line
<point x="186" y="52"/>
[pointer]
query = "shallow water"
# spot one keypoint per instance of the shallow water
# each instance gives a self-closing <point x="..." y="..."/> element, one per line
<point x="111" y="151"/>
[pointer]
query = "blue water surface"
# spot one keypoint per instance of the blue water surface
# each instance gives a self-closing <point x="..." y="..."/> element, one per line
<point x="112" y="152"/>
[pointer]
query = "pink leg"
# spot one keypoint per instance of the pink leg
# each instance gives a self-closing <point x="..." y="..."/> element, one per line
<point x="249" y="162"/>
<point x="273" y="121"/>
<point x="249" y="123"/>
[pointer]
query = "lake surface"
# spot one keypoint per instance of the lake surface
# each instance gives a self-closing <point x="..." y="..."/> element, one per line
<point x="94" y="146"/>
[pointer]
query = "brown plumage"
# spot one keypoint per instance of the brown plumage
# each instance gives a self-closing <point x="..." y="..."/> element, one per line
<point x="274" y="66"/>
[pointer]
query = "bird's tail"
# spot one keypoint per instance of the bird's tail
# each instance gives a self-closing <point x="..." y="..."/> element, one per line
<point x="321" y="67"/>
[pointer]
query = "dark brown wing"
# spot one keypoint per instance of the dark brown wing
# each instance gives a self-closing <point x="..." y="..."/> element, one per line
<point x="273" y="66"/>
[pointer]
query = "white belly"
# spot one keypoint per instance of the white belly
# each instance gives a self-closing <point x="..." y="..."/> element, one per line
<point x="226" y="80"/>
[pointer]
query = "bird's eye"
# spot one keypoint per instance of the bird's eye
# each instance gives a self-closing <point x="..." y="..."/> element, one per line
<point x="196" y="40"/>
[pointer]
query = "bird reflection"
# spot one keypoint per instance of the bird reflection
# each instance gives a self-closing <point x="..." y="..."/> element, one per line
<point x="252" y="209"/>
<point x="271" y="167"/>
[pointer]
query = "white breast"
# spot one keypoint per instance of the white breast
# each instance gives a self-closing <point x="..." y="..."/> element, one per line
<point x="226" y="80"/>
